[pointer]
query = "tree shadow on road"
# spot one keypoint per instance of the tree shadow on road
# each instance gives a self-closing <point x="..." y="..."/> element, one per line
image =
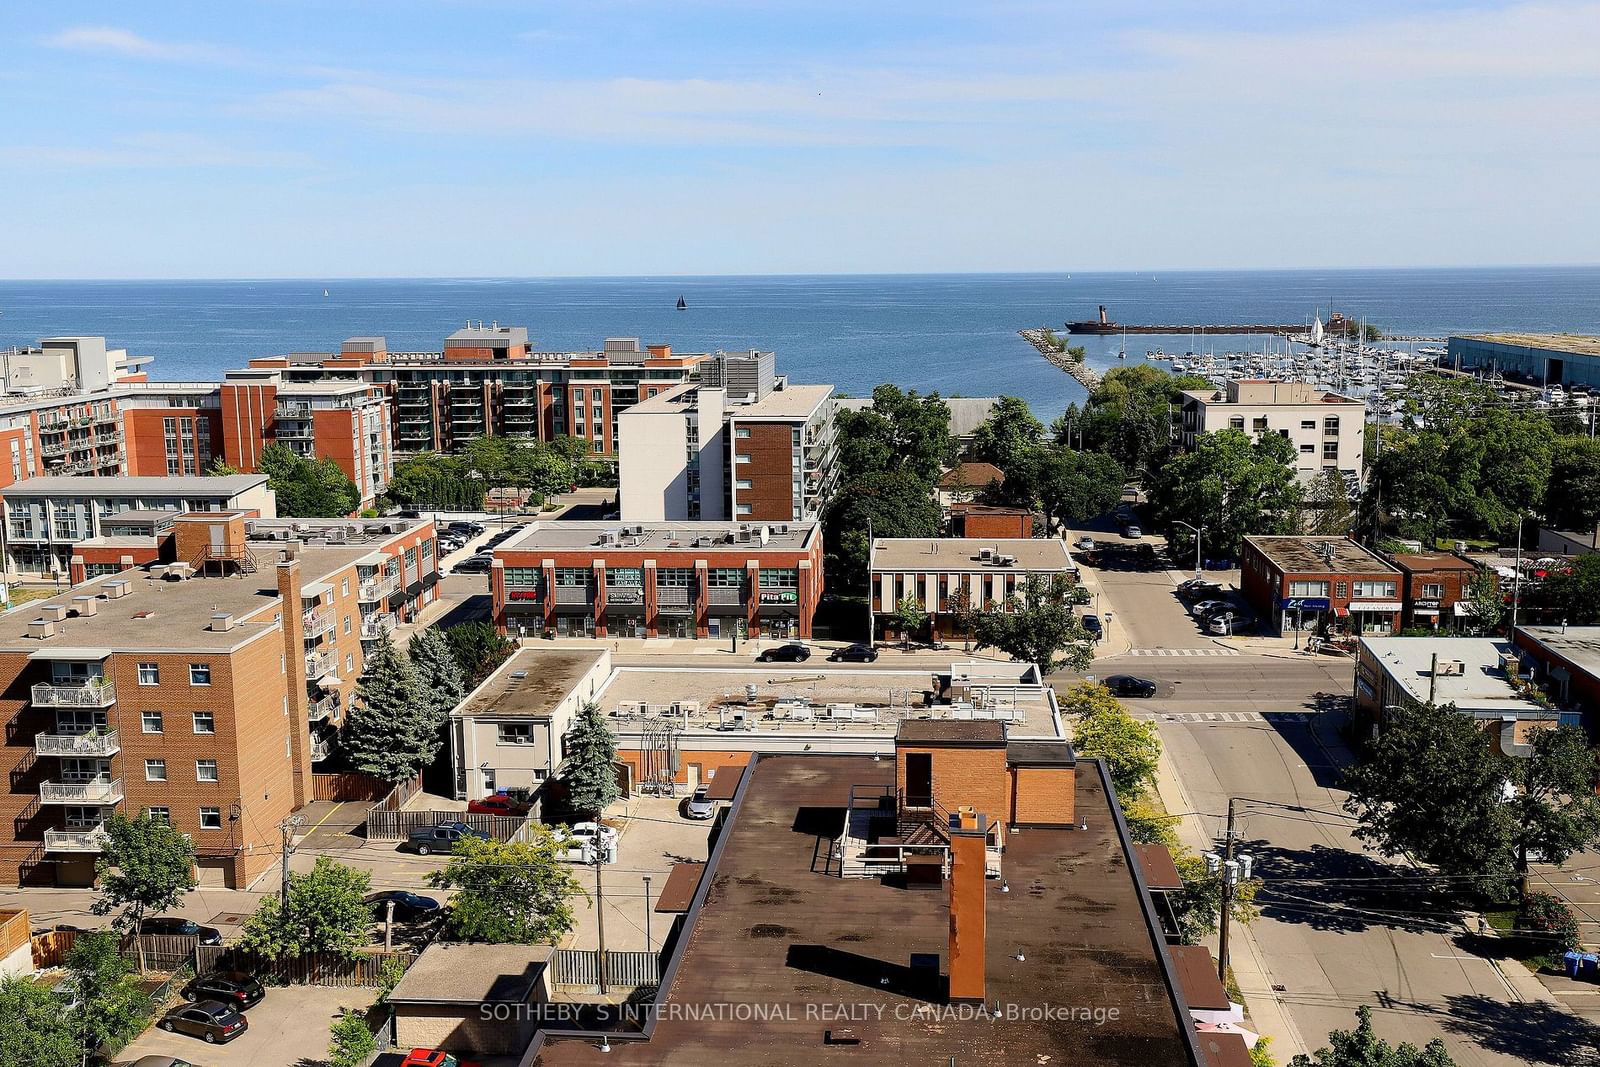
<point x="1330" y="889"/>
<point x="1534" y="1032"/>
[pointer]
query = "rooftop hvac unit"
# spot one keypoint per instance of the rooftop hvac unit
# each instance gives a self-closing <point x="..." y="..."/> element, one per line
<point x="1452" y="668"/>
<point x="986" y="554"/>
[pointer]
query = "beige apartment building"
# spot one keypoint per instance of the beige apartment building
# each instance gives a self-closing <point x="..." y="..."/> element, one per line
<point x="1324" y="428"/>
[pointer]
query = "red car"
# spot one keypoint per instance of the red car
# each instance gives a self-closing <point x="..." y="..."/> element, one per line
<point x="498" y="805"/>
<point x="432" y="1057"/>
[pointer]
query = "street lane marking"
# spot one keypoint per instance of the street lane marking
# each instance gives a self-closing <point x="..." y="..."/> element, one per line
<point x="1183" y="652"/>
<point x="1231" y="716"/>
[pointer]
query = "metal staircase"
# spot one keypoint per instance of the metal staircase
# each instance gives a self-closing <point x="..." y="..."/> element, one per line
<point x="240" y="559"/>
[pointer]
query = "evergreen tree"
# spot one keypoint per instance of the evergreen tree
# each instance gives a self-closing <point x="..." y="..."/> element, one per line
<point x="387" y="734"/>
<point x="439" y="676"/>
<point x="591" y="758"/>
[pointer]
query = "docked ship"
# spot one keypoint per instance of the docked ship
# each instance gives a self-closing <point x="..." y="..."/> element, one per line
<point x="1100" y="325"/>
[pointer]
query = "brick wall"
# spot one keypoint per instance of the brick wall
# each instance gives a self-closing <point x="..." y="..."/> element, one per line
<point x="964" y="777"/>
<point x="1044" y="796"/>
<point x="769" y="469"/>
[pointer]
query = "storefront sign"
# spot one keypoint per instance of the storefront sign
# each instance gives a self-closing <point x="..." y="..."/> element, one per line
<point x="780" y="596"/>
<point x="624" y="596"/>
<point x="1304" y="603"/>
<point x="524" y="594"/>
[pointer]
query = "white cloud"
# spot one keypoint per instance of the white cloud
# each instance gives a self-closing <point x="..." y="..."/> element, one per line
<point x="112" y="40"/>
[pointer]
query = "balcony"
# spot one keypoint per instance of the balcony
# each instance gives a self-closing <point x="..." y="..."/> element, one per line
<point x="92" y="840"/>
<point x="295" y="431"/>
<point x="318" y="623"/>
<point x="319" y="710"/>
<point x="321" y="749"/>
<point x="376" y="626"/>
<point x="92" y="744"/>
<point x="100" y="694"/>
<point x="81" y="792"/>
<point x="319" y="664"/>
<point x="291" y="410"/>
<point x="375" y="589"/>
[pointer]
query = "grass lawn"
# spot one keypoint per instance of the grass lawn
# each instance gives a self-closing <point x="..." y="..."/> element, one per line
<point x="22" y="594"/>
<point x="1504" y="920"/>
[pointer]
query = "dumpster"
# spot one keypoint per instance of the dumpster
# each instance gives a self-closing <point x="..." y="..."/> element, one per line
<point x="1589" y="967"/>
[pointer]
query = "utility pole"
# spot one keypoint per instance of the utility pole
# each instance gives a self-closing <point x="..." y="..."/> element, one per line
<point x="286" y="828"/>
<point x="1228" y="867"/>
<point x="649" y="946"/>
<point x="1516" y="581"/>
<point x="600" y="907"/>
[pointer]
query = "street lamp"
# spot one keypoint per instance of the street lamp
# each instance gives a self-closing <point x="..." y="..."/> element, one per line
<point x="1197" y="531"/>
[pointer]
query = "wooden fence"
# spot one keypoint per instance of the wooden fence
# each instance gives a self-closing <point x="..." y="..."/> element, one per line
<point x="352" y="785"/>
<point x="162" y="952"/>
<point x="581" y="967"/>
<point x="362" y="969"/>
<point x="397" y="797"/>
<point x="395" y="825"/>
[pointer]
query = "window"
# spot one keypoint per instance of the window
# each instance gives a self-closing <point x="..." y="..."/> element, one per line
<point x="599" y="447"/>
<point x="205" y="770"/>
<point x="199" y="674"/>
<point x="1341" y="588"/>
<point x="1308" y="424"/>
<point x="210" y="818"/>
<point x="529" y="577"/>
<point x="1308" y="588"/>
<point x="631" y="577"/>
<point x="347" y="625"/>
<point x="205" y="722"/>
<point x="1259" y="424"/>
<point x="149" y="674"/>
<point x="516" y="733"/>
<point x="572" y="576"/>
<point x="741" y="483"/>
<point x="162" y="815"/>
<point x="1330" y="426"/>
<point x="1374" y="589"/>
<point x="411" y="559"/>
<point x="1330" y="450"/>
<point x="726" y="578"/>
<point x="155" y="770"/>
<point x="344" y="587"/>
<point x="675" y="576"/>
<point x="150" y="721"/>
<point x="1236" y="422"/>
<point x="1307" y="449"/>
<point x="744" y="509"/>
<point x="742" y="433"/>
<point x="349" y="663"/>
<point x="780" y="578"/>
<point x="1432" y="592"/>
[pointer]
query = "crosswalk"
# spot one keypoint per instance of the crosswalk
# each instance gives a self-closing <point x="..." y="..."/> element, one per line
<point x="1183" y="652"/>
<point x="1228" y="716"/>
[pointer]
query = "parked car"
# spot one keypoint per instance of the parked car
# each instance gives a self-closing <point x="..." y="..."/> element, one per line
<point x="1131" y="531"/>
<point x="1078" y="596"/>
<point x="177" y="925"/>
<point x="700" y="805"/>
<point x="1092" y="624"/>
<point x="585" y="839"/>
<point x="1126" y="685"/>
<point x="1201" y="608"/>
<point x="212" y="1021"/>
<point x="1228" y="622"/>
<point x="441" y="838"/>
<point x="230" y="987"/>
<point x="478" y="564"/>
<point x="498" y="804"/>
<point x="432" y="1057"/>
<point x="785" y="654"/>
<point x="1199" y="588"/>
<point x="466" y="528"/>
<point x="857" y="653"/>
<point x="1085" y="544"/>
<point x="1223" y="608"/>
<point x="408" y="907"/>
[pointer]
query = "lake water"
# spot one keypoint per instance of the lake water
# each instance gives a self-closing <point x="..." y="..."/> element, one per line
<point x="953" y="333"/>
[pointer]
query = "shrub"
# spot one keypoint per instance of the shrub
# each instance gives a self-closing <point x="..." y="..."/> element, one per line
<point x="1548" y="925"/>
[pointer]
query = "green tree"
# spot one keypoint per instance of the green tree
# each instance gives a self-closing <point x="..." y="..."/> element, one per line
<point x="220" y="469"/>
<point x="479" y="649"/>
<point x="1329" y="509"/>
<point x="439" y="678"/>
<point x="1103" y="729"/>
<point x="891" y="504"/>
<point x="901" y="431"/>
<point x="390" y="731"/>
<point x="1570" y="594"/>
<point x="509" y="893"/>
<point x="326" y="912"/>
<point x="1198" y="905"/>
<point x="1128" y="415"/>
<point x="34" y="1032"/>
<point x="1572" y="500"/>
<point x="591" y="775"/>
<point x="1147" y="823"/>
<point x="145" y="869"/>
<point x="1546" y="925"/>
<point x="429" y="480"/>
<point x="1486" y="601"/>
<point x="1068" y="487"/>
<point x="1231" y="485"/>
<point x="307" y="488"/>
<point x="350" y="1040"/>
<point x="1008" y="435"/>
<point x="541" y="469"/>
<point x="1445" y="404"/>
<point x="908" y="618"/>
<point x="1362" y="1047"/>
<point x="1036" y="625"/>
<point x="108" y="1006"/>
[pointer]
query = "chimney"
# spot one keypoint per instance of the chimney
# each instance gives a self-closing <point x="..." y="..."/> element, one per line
<point x="968" y="905"/>
<point x="294" y="658"/>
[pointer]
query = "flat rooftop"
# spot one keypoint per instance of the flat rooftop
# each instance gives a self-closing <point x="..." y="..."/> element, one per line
<point x="1481" y="685"/>
<point x="673" y="400"/>
<point x="1578" y="645"/>
<point x="790" y="402"/>
<point x="914" y="555"/>
<point x="555" y="535"/>
<point x="771" y="931"/>
<point x="531" y="683"/>
<point x="1573" y="343"/>
<point x="177" y="485"/>
<point x="466" y="973"/>
<point x="1432" y="561"/>
<point x="1306" y="555"/>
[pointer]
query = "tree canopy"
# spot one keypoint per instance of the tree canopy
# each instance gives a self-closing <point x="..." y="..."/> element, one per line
<point x="1362" y="1047"/>
<point x="1008" y="434"/>
<point x="1128" y="415"/>
<point x="478" y="649"/>
<point x="891" y="504"/>
<point x="326" y="912"/>
<point x="1570" y="593"/>
<point x="391" y="730"/>
<point x="145" y="869"/>
<point x="509" y="893"/>
<point x="1230" y="484"/>
<point x="901" y="431"/>
<point x="308" y="488"/>
<point x="1037" y="625"/>
<point x="591" y="775"/>
<point x="1102" y="728"/>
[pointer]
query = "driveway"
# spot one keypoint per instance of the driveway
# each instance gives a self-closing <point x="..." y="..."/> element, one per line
<point x="288" y="1029"/>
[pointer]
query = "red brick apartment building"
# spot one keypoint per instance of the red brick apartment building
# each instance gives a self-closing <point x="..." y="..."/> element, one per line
<point x="688" y="579"/>
<point x="1330" y="583"/>
<point x="1434" y="588"/>
<point x="945" y="575"/>
<point x="201" y="692"/>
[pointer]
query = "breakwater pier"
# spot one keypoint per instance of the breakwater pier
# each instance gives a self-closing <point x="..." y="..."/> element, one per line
<point x="1052" y="347"/>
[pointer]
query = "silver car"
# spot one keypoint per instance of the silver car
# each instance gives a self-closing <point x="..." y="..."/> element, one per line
<point x="700" y="806"/>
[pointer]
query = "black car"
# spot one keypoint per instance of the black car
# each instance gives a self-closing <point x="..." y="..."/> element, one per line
<point x="176" y="925"/>
<point x="785" y="654"/>
<point x="854" y="654"/>
<point x="212" y="1021"/>
<point x="230" y="987"/>
<point x="1091" y="623"/>
<point x="1126" y="685"/>
<point x="1199" y="589"/>
<point x="425" y="840"/>
<point x="466" y="529"/>
<point x="475" y="565"/>
<point x="408" y="907"/>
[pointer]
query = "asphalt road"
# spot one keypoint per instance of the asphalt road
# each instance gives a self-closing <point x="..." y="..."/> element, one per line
<point x="1341" y="928"/>
<point x="1226" y="684"/>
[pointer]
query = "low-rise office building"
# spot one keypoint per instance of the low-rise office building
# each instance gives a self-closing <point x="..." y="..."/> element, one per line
<point x="950" y="576"/>
<point x="688" y="579"/>
<point x="1326" y="429"/>
<point x="1435" y="589"/>
<point x="198" y="692"/>
<point x="1319" y="584"/>
<point x="1567" y="660"/>
<point x="1482" y="677"/>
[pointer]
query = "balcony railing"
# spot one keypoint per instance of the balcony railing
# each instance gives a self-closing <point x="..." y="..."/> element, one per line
<point x="319" y="710"/>
<point x="375" y="589"/>
<point x="92" y="840"/>
<point x="91" y="695"/>
<point x="375" y="626"/>
<point x="319" y="664"/>
<point x="104" y="743"/>
<point x="289" y="409"/>
<point x="318" y="623"/>
<point x="81" y="792"/>
<point x="321" y="749"/>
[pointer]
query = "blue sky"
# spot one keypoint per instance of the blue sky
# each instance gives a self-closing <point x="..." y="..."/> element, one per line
<point x="322" y="138"/>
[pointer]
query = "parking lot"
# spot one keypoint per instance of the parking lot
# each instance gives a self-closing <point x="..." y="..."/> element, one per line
<point x="289" y="1027"/>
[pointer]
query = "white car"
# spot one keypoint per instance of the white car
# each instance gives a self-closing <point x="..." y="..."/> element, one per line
<point x="700" y="805"/>
<point x="585" y="839"/>
<point x="1205" y="607"/>
<point x="1085" y="544"/>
